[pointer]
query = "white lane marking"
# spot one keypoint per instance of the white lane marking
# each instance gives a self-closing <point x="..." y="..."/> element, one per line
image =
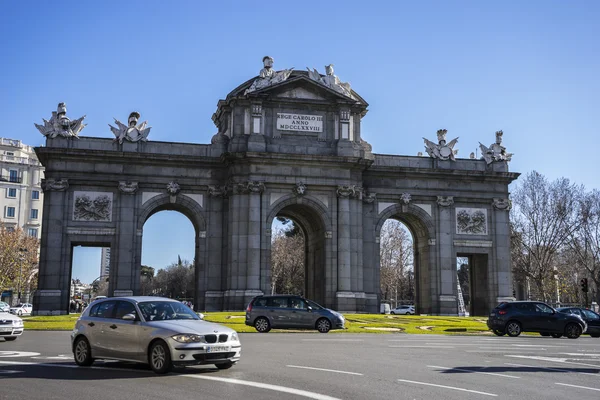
<point x="534" y="345"/>
<point x="58" y="357"/>
<point x="475" y="371"/>
<point x="581" y="354"/>
<point x="18" y="354"/>
<point x="277" y="388"/>
<point x="551" y="359"/>
<point x="283" y="389"/>
<point x="332" y="340"/>
<point x="551" y="369"/>
<point x="9" y="371"/>
<point x="421" y="347"/>
<point x="324" y="369"/>
<point x="498" y="351"/>
<point x="576" y="386"/>
<point x="448" y="387"/>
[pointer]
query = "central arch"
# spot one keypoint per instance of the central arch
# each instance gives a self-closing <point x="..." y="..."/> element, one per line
<point x="195" y="213"/>
<point x="420" y="224"/>
<point x="311" y="217"/>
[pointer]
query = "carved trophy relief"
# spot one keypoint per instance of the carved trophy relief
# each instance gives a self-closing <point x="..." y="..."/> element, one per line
<point x="471" y="221"/>
<point x="442" y="150"/>
<point x="496" y="152"/>
<point x="268" y="76"/>
<point x="331" y="81"/>
<point x="92" y="206"/>
<point x="132" y="132"/>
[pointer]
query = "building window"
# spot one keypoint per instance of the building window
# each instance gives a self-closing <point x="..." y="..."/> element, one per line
<point x="35" y="195"/>
<point x="14" y="176"/>
<point x="10" y="153"/>
<point x="10" y="229"/>
<point x="11" y="192"/>
<point x="10" y="212"/>
<point x="33" y="232"/>
<point x="34" y="213"/>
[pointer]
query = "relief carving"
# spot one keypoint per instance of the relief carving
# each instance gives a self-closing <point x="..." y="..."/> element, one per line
<point x="127" y="187"/>
<point x="61" y="125"/>
<point x="299" y="189"/>
<point x="502" y="204"/>
<point x="445" y="201"/>
<point x="173" y="188"/>
<point x="58" y="185"/>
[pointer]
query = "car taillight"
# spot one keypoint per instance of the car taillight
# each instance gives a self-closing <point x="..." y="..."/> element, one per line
<point x="249" y="308"/>
<point x="502" y="312"/>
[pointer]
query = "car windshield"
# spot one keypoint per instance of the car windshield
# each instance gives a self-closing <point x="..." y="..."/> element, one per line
<point x="166" y="310"/>
<point x="314" y="305"/>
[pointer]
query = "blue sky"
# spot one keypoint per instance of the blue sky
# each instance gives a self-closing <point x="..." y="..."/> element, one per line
<point x="472" y="67"/>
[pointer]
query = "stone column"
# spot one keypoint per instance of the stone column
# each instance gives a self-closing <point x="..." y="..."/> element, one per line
<point x="52" y="296"/>
<point x="255" y="189"/>
<point x="343" y="234"/>
<point x="213" y="297"/>
<point x="447" y="260"/>
<point x="503" y="271"/>
<point x="125" y="279"/>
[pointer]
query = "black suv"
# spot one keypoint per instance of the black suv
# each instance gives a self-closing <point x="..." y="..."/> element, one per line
<point x="534" y="316"/>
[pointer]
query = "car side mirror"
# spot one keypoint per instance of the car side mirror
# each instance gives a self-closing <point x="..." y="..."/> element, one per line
<point x="128" y="317"/>
<point x="200" y="315"/>
<point x="309" y="308"/>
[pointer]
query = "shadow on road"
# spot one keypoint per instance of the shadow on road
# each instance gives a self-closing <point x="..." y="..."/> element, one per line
<point x="499" y="369"/>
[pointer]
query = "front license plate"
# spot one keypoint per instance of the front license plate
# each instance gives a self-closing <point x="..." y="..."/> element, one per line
<point x="5" y="329"/>
<point x="217" y="349"/>
<point x="493" y="314"/>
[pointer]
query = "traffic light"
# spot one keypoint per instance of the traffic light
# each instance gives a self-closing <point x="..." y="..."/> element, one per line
<point x="584" y="285"/>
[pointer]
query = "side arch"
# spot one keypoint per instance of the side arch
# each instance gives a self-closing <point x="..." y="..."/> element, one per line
<point x="183" y="204"/>
<point x="418" y="221"/>
<point x="309" y="201"/>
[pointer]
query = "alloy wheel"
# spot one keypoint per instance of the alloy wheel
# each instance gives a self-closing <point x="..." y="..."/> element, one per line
<point x="513" y="329"/>
<point x="323" y="325"/>
<point x="573" y="331"/>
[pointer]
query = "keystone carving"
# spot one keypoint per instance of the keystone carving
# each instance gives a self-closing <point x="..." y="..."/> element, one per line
<point x="445" y="201"/>
<point x="299" y="189"/>
<point x="58" y="185"/>
<point x="173" y="188"/>
<point x="127" y="187"/>
<point x="405" y="198"/>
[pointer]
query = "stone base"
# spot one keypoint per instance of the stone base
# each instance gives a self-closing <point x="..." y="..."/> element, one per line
<point x="213" y="301"/>
<point x="448" y="306"/>
<point x="352" y="301"/>
<point x="48" y="302"/>
<point x="237" y="300"/>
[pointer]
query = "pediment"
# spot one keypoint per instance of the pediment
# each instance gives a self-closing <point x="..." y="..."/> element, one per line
<point x="298" y="87"/>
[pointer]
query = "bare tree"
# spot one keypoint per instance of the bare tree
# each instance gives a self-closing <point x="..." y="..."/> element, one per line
<point x="584" y="243"/>
<point x="396" y="261"/>
<point x="543" y="218"/>
<point x="287" y="263"/>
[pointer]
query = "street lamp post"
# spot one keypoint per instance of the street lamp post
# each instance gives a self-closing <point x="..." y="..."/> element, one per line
<point x="22" y="251"/>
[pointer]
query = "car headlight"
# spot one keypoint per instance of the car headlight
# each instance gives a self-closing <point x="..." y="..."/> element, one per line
<point x="189" y="338"/>
<point x="234" y="336"/>
<point x="17" y="322"/>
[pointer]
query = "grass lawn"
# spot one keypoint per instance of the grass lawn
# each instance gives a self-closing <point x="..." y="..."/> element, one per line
<point x="355" y="323"/>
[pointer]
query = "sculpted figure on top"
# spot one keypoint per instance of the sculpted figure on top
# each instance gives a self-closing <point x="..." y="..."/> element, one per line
<point x="131" y="133"/>
<point x="441" y="150"/>
<point x="61" y="125"/>
<point x="268" y="76"/>
<point x="496" y="152"/>
<point x="331" y="80"/>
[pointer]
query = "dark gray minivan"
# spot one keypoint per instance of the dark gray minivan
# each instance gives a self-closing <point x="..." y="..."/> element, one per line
<point x="291" y="312"/>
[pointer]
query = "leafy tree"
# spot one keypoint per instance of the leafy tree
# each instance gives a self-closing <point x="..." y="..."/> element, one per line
<point x="18" y="259"/>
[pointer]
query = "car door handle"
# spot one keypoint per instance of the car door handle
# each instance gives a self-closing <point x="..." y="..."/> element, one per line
<point x="91" y="324"/>
<point x="113" y="326"/>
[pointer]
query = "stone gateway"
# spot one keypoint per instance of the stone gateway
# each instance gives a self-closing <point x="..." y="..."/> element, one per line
<point x="289" y="144"/>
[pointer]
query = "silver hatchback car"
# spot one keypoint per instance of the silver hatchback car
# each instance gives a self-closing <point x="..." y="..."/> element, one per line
<point x="154" y="330"/>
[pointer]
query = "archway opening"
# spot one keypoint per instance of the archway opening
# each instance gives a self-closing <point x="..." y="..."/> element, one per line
<point x="397" y="273"/>
<point x="169" y="254"/>
<point x="297" y="257"/>
<point x="90" y="266"/>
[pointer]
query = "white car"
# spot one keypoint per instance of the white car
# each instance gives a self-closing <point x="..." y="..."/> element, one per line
<point x="21" y="309"/>
<point x="11" y="326"/>
<point x="4" y="306"/>
<point x="403" y="310"/>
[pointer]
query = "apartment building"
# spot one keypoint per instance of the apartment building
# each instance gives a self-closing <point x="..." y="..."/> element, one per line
<point x="21" y="196"/>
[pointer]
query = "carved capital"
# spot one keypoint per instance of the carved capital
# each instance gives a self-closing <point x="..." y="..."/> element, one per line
<point x="173" y="188"/>
<point x="127" y="187"/>
<point x="299" y="189"/>
<point x="217" y="191"/>
<point x="59" y="185"/>
<point x="346" y="191"/>
<point x="502" y="204"/>
<point x="405" y="198"/>
<point x="249" y="187"/>
<point x="256" y="109"/>
<point x="369" y="197"/>
<point x="445" y="201"/>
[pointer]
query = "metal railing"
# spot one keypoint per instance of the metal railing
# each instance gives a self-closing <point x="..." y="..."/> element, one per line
<point x="13" y="179"/>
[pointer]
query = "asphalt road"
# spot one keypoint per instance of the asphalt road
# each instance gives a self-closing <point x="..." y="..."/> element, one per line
<point x="39" y="365"/>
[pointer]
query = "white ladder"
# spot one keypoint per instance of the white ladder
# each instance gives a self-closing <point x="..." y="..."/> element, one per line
<point x="462" y="311"/>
